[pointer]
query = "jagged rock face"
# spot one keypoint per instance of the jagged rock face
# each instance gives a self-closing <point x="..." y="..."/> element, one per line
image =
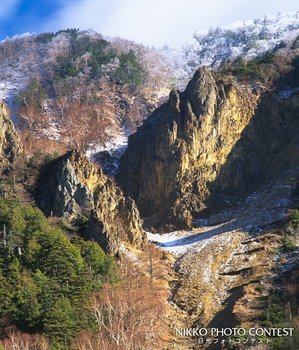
<point x="66" y="186"/>
<point x="268" y="146"/>
<point x="71" y="186"/>
<point x="182" y="147"/>
<point x="10" y="145"/>
<point x="115" y="221"/>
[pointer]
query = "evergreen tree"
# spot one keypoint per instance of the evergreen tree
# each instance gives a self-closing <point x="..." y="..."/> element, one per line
<point x="60" y="324"/>
<point x="46" y="279"/>
<point x="5" y="296"/>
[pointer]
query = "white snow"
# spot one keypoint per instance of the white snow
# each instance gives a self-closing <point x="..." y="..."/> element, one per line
<point x="53" y="131"/>
<point x="258" y="211"/>
<point x="182" y="242"/>
<point x="116" y="145"/>
<point x="12" y="81"/>
<point x="248" y="39"/>
<point x="18" y="36"/>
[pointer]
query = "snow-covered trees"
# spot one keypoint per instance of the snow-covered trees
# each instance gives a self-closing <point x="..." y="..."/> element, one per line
<point x="249" y="39"/>
<point x="80" y="87"/>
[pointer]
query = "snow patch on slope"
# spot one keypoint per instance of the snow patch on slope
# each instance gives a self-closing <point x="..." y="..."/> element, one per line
<point x="259" y="211"/>
<point x="12" y="80"/>
<point x="182" y="242"/>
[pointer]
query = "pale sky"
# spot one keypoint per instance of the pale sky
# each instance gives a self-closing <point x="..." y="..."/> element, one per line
<point x="155" y="22"/>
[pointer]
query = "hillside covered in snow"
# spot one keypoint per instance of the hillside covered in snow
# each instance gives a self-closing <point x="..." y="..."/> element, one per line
<point x="248" y="39"/>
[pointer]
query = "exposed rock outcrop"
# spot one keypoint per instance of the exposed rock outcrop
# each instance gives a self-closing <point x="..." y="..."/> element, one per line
<point x="207" y="147"/>
<point x="182" y="147"/>
<point x="10" y="144"/>
<point x="71" y="186"/>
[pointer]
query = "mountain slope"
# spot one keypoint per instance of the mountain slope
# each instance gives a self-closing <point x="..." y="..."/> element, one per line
<point x="249" y="39"/>
<point x="59" y="84"/>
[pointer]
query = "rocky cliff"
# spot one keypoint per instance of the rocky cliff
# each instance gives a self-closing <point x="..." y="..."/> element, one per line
<point x="206" y="147"/>
<point x="71" y="186"/>
<point x="10" y="145"/>
<point x="182" y="147"/>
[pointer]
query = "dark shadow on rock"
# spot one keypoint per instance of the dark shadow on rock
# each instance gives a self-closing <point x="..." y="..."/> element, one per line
<point x="267" y="146"/>
<point x="226" y="318"/>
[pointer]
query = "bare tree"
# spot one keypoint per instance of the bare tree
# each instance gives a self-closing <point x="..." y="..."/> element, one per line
<point x="128" y="317"/>
<point x="21" y="341"/>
